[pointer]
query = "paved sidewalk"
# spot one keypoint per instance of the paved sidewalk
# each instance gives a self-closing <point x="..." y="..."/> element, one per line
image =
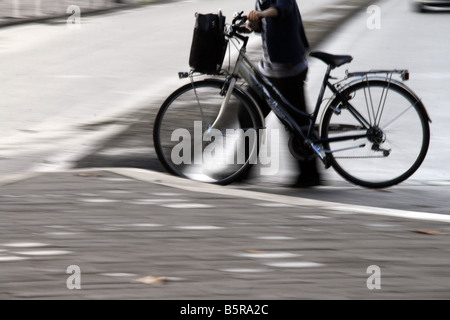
<point x="137" y="234"/>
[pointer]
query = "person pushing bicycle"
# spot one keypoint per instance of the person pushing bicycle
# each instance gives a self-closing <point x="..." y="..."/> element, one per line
<point x="374" y="130"/>
<point x="284" y="62"/>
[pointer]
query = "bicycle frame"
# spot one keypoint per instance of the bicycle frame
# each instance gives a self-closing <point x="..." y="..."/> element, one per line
<point x="246" y="69"/>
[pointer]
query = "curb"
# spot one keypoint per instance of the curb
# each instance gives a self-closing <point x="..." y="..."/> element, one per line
<point x="167" y="180"/>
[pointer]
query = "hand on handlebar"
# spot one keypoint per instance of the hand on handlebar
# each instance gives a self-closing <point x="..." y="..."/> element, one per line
<point x="254" y="21"/>
<point x="243" y="24"/>
<point x="254" y="16"/>
<point x="252" y="26"/>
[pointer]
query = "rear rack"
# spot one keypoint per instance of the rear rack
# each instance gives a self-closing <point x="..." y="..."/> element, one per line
<point x="404" y="74"/>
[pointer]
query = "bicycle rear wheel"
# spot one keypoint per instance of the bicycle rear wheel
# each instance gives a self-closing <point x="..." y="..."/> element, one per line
<point x="397" y="126"/>
<point x="196" y="138"/>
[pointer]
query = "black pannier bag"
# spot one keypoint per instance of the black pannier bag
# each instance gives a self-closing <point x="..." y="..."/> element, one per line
<point x="208" y="43"/>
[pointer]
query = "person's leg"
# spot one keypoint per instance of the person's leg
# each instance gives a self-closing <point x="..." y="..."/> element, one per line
<point x="293" y="90"/>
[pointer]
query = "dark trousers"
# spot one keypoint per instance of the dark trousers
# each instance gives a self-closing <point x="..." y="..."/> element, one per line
<point x="293" y="89"/>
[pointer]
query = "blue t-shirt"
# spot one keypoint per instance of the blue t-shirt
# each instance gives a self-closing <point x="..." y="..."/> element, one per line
<point x="284" y="40"/>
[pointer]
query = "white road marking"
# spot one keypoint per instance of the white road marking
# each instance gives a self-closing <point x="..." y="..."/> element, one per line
<point x="125" y="151"/>
<point x="117" y="191"/>
<point x="276" y="238"/>
<point x="25" y="244"/>
<point x="167" y="194"/>
<point x="118" y="275"/>
<point x="99" y="200"/>
<point x="155" y="201"/>
<point x="199" y="228"/>
<point x="43" y="252"/>
<point x="244" y="270"/>
<point x="294" y="264"/>
<point x="140" y="225"/>
<point x="187" y="206"/>
<point x="61" y="234"/>
<point x="269" y="255"/>
<point x="11" y="258"/>
<point x="314" y="217"/>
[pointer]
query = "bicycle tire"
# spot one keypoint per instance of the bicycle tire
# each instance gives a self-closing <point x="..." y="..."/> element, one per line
<point x="400" y="140"/>
<point x="200" y="101"/>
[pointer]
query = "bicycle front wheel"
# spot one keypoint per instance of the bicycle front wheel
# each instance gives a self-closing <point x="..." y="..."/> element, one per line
<point x="199" y="136"/>
<point x="396" y="128"/>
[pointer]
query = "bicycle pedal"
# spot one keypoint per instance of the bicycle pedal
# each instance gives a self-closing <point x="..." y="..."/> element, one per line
<point x="327" y="161"/>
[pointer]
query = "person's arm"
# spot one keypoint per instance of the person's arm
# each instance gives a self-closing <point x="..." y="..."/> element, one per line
<point x="258" y="15"/>
<point x="254" y="18"/>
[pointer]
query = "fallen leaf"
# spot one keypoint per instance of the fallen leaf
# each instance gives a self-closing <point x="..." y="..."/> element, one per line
<point x="151" y="280"/>
<point x="254" y="251"/>
<point x="433" y="232"/>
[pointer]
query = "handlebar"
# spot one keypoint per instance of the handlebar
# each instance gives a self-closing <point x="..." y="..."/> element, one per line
<point x="239" y="18"/>
<point x="238" y="23"/>
<point x="238" y="26"/>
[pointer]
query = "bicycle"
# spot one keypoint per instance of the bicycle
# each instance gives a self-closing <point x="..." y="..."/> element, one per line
<point x="374" y="131"/>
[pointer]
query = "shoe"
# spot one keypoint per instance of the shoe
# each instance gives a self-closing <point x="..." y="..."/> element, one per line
<point x="307" y="182"/>
<point x="309" y="174"/>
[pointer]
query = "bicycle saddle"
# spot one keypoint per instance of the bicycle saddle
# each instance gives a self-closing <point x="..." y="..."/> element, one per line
<point x="331" y="59"/>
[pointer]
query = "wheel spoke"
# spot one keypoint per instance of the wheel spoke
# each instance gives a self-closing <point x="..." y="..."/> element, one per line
<point x="386" y="125"/>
